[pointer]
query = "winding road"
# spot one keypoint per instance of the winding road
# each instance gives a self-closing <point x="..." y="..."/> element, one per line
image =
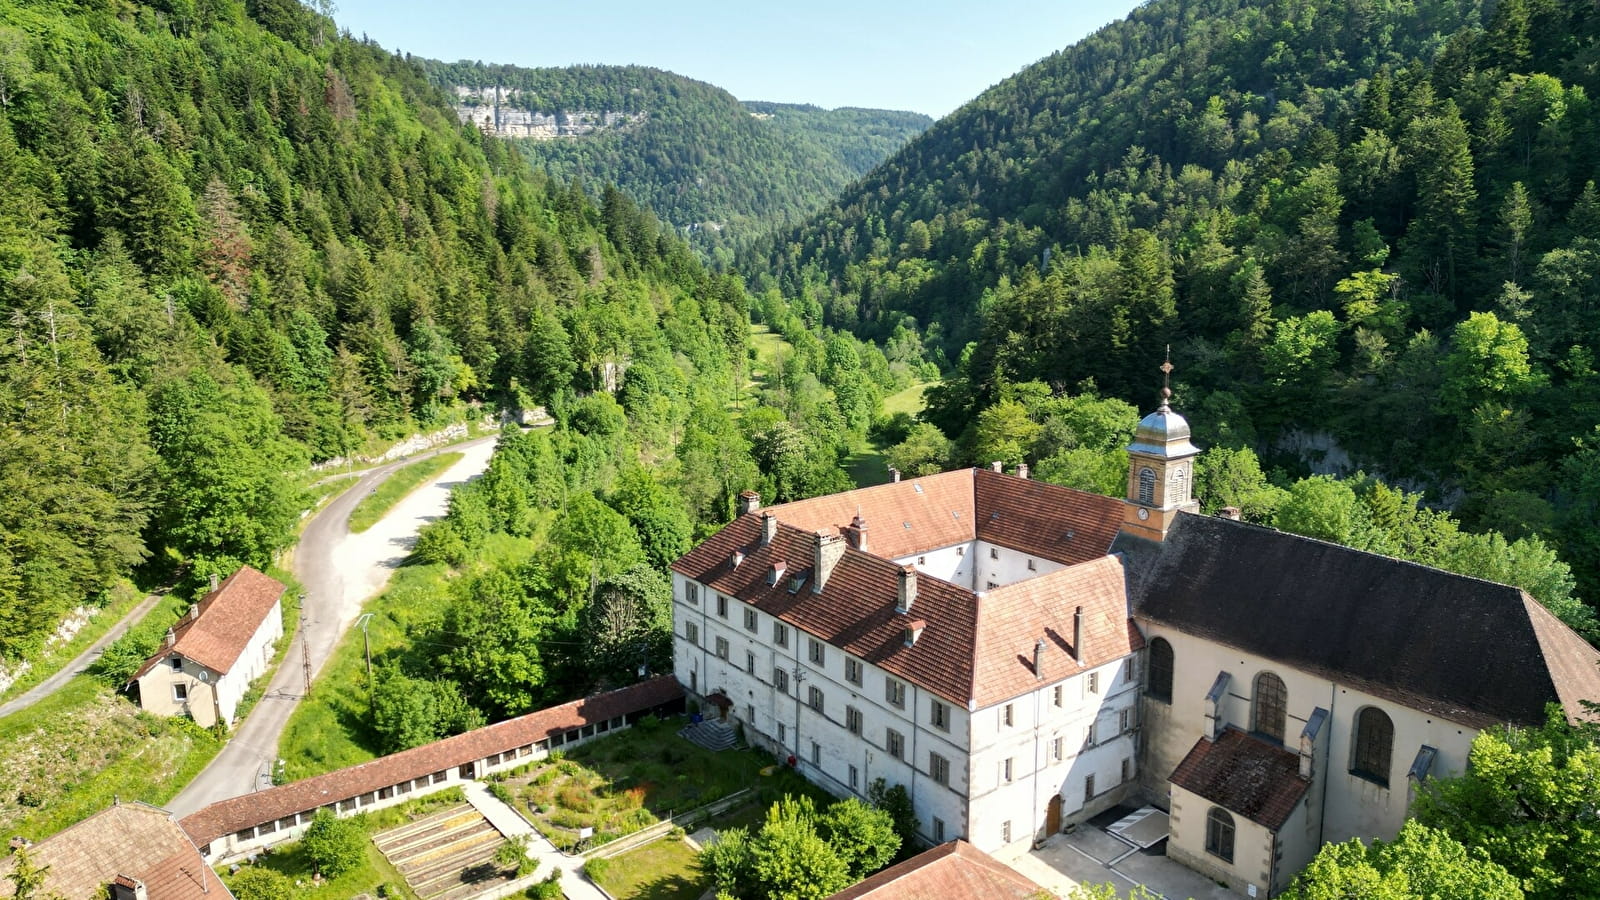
<point x="339" y="572"/>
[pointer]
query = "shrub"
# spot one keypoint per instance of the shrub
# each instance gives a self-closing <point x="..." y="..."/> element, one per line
<point x="501" y="792"/>
<point x="596" y="868"/>
<point x="548" y="889"/>
<point x="334" y="845"/>
<point x="513" y="854"/>
<point x="256" y="883"/>
<point x="575" y="797"/>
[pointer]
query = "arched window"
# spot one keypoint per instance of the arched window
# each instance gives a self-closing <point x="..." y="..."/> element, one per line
<point x="1271" y="700"/>
<point x="1219" y="833"/>
<point x="1373" y="745"/>
<point x="1147" y="485"/>
<point x="1178" y="486"/>
<point x="1159" y="683"/>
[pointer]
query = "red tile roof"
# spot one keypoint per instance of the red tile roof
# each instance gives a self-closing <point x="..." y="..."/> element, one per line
<point x="1013" y="618"/>
<point x="951" y="871"/>
<point x="228" y="816"/>
<point x="975" y="646"/>
<point x="228" y="619"/>
<point x="1244" y="775"/>
<point x="131" y="840"/>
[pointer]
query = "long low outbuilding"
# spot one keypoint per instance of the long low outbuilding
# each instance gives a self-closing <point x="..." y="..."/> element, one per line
<point x="239" y="826"/>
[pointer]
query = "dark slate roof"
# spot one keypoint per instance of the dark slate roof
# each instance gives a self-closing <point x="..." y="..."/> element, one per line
<point x="1244" y="775"/>
<point x="1464" y="649"/>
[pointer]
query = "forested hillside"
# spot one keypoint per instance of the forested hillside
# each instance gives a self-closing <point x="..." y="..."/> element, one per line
<point x="1367" y="229"/>
<point x="233" y="242"/>
<point x="694" y="154"/>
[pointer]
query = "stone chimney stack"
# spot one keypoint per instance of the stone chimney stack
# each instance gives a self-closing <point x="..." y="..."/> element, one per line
<point x="1022" y="470"/>
<point x="172" y="637"/>
<point x="856" y="533"/>
<point x="1077" y="635"/>
<point x="1229" y="512"/>
<point x="769" y="528"/>
<point x="908" y="589"/>
<point x="894" y="475"/>
<point x="749" y="502"/>
<point x="1038" y="660"/>
<point x="194" y="611"/>
<point x="996" y="466"/>
<point x="826" y="553"/>
<point x="213" y="581"/>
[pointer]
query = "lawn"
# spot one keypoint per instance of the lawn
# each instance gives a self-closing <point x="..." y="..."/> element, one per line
<point x="124" y="597"/>
<point x="397" y="487"/>
<point x="629" y="782"/>
<point x="867" y="463"/>
<point x="330" y="729"/>
<point x="68" y="756"/>
<point x="373" y="874"/>
<point x="660" y="870"/>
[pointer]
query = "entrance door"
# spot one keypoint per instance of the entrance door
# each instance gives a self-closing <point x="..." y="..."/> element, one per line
<point x="1052" y="816"/>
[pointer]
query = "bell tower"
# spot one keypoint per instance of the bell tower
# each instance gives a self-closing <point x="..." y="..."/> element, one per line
<point x="1160" y="469"/>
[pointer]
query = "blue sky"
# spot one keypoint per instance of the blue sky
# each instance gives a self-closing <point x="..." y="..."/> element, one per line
<point x="930" y="56"/>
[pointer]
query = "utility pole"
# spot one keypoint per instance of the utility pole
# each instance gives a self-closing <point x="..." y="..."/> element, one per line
<point x="364" y="621"/>
<point x="305" y="649"/>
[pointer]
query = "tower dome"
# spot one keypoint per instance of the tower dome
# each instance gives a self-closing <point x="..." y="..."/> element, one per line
<point x="1163" y="433"/>
<point x="1160" y="469"/>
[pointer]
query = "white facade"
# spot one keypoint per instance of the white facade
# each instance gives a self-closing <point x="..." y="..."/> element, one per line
<point x="179" y="685"/>
<point x="952" y="760"/>
<point x="980" y="565"/>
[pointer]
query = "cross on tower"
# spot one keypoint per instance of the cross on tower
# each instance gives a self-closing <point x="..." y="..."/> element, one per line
<point x="1166" y="378"/>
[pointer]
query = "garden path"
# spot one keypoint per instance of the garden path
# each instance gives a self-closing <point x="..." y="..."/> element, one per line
<point x="510" y="822"/>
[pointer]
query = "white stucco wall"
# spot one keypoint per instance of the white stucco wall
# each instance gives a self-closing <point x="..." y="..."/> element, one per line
<point x="1252" y="845"/>
<point x="252" y="662"/>
<point x="1353" y="806"/>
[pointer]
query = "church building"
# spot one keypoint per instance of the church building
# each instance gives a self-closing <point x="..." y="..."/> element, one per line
<point x="1023" y="656"/>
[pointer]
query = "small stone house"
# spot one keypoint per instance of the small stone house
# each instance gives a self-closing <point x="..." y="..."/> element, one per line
<point x="210" y="656"/>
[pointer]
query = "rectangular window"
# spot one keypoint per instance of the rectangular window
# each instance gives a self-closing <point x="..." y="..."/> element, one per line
<point x="1125" y="721"/>
<point x="722" y="606"/>
<point x="1005" y="770"/>
<point x="1057" y="745"/>
<point x="895" y="693"/>
<point x="852" y="721"/>
<point x="815" y="698"/>
<point x="922" y="560"/>
<point x="1127" y="770"/>
<point x="895" y="743"/>
<point x="783" y="733"/>
<point x="180" y="692"/>
<point x="938" y="830"/>
<point x="815" y="651"/>
<point x="1056" y="695"/>
<point x="750" y="713"/>
<point x="1088" y="788"/>
<point x="939" y="769"/>
<point x="749" y="662"/>
<point x="992" y="585"/>
<point x="691" y="592"/>
<point x="176" y="663"/>
<point x="994" y="552"/>
<point x="749" y="620"/>
<point x="691" y="633"/>
<point x="1130" y="670"/>
<point x="780" y="679"/>
<point x="852" y="671"/>
<point x="961" y="551"/>
<point x="1008" y="716"/>
<point x="1094" y="682"/>
<point x="722" y="648"/>
<point x="780" y="634"/>
<point x="1088" y="736"/>
<point x="816" y="753"/>
<point x="939" y="714"/>
<point x="1005" y="832"/>
<point x="855" y="778"/>
<point x="1032" y="566"/>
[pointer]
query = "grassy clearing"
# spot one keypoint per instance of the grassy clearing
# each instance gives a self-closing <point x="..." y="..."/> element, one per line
<point x="909" y="401"/>
<point x="629" y="782"/>
<point x="68" y="756"/>
<point x="662" y="870"/>
<point x="397" y="487"/>
<point x="124" y="597"/>
<point x="867" y="462"/>
<point x="374" y="873"/>
<point x="330" y="728"/>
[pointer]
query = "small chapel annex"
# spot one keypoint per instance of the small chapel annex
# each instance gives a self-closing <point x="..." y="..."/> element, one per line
<point x="1023" y="656"/>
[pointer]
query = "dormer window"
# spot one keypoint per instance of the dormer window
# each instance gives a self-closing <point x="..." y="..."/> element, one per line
<point x="736" y="558"/>
<point x="176" y="662"/>
<point x="777" y="572"/>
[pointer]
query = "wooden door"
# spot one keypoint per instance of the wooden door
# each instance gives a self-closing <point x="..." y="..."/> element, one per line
<point x="1052" y="816"/>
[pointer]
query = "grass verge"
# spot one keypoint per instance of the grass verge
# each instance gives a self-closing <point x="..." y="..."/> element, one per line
<point x="68" y="756"/>
<point x="124" y="597"/>
<point x="396" y="488"/>
<point x="661" y="870"/>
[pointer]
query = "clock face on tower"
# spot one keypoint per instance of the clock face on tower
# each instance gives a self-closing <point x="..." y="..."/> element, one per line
<point x="1143" y="513"/>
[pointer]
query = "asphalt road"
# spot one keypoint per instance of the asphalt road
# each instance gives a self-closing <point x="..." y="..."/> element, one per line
<point x="336" y="582"/>
<point x="82" y="661"/>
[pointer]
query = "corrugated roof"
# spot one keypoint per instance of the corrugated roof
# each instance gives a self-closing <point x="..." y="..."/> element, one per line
<point x="133" y="840"/>
<point x="1244" y="775"/>
<point x="228" y="619"/>
<point x="1467" y="650"/>
<point x="951" y="871"/>
<point x="228" y="816"/>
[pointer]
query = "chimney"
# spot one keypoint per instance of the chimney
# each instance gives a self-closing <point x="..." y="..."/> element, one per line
<point x="914" y="631"/>
<point x="1038" y="660"/>
<point x="749" y="502"/>
<point x="1077" y="635"/>
<point x="1229" y="512"/>
<point x="736" y="558"/>
<point x="776" y="575"/>
<point x="769" y="528"/>
<point x="908" y="589"/>
<point x="856" y="533"/>
<point x="124" y="887"/>
<point x="826" y="552"/>
<point x="194" y="612"/>
<point x="996" y="466"/>
<point x="1022" y="470"/>
<point x="172" y="637"/>
<point x="894" y="475"/>
<point x="213" y="581"/>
